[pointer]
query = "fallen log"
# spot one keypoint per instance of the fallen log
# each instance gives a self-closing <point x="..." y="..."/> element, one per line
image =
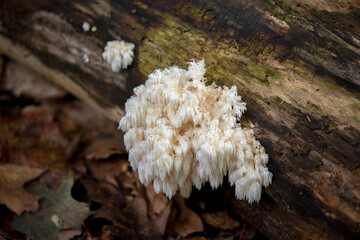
<point x="295" y="63"/>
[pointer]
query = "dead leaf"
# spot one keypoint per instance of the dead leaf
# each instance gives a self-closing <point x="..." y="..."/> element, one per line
<point x="76" y="116"/>
<point x="146" y="227"/>
<point x="12" y="193"/>
<point x="220" y="219"/>
<point x="33" y="138"/>
<point x="129" y="184"/>
<point x="127" y="208"/>
<point x="112" y="204"/>
<point x="68" y="234"/>
<point x="44" y="131"/>
<point x="156" y="202"/>
<point x="106" y="236"/>
<point x="184" y="221"/>
<point x="58" y="211"/>
<point x="37" y="113"/>
<point x="150" y="209"/>
<point x="73" y="147"/>
<point x="103" y="148"/>
<point x="22" y="81"/>
<point x="108" y="169"/>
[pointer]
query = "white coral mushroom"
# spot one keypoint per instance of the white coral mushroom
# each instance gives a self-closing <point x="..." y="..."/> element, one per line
<point x="181" y="133"/>
<point x="86" y="26"/>
<point x="118" y="54"/>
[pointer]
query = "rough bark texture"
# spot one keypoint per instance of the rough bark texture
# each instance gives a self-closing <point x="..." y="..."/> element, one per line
<point x="296" y="64"/>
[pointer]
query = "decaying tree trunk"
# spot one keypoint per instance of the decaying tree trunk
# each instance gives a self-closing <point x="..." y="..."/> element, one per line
<point x="296" y="64"/>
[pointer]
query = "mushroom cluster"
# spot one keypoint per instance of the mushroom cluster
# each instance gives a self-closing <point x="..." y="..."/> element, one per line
<point x="118" y="54"/>
<point x="181" y="133"/>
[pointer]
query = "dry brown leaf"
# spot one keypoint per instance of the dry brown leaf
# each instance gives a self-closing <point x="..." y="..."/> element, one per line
<point x="33" y="138"/>
<point x="44" y="131"/>
<point x="99" y="135"/>
<point x="68" y="234"/>
<point x="12" y="193"/>
<point x="106" y="235"/>
<point x="133" y="210"/>
<point x="37" y="113"/>
<point x="220" y="219"/>
<point x="146" y="227"/>
<point x="77" y="115"/>
<point x="129" y="184"/>
<point x="186" y="221"/>
<point x="112" y="205"/>
<point x="156" y="202"/>
<point x="22" y="81"/>
<point x="103" y="148"/>
<point x="108" y="169"/>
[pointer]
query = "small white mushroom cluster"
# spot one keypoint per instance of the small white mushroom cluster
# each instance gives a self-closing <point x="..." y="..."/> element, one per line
<point x="118" y="54"/>
<point x="86" y="27"/>
<point x="180" y="133"/>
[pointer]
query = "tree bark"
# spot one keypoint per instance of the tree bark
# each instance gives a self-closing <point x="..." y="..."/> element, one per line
<point x="296" y="64"/>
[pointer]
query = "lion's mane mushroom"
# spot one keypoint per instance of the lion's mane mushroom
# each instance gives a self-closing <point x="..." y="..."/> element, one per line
<point x="180" y="133"/>
<point x="118" y="54"/>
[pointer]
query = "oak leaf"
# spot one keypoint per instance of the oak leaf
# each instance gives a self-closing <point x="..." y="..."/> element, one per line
<point x="12" y="194"/>
<point x="58" y="211"/>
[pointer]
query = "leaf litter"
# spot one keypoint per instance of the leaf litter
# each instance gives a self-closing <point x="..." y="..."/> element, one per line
<point x="88" y="190"/>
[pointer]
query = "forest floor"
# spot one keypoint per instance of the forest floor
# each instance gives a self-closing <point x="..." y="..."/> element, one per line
<point x="64" y="174"/>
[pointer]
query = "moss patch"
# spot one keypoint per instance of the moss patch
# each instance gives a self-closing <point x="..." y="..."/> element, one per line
<point x="234" y="61"/>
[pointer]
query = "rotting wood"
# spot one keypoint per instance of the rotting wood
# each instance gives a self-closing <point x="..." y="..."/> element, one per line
<point x="296" y="64"/>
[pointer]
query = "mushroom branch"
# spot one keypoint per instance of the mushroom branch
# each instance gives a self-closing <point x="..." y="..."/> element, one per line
<point x="294" y="63"/>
